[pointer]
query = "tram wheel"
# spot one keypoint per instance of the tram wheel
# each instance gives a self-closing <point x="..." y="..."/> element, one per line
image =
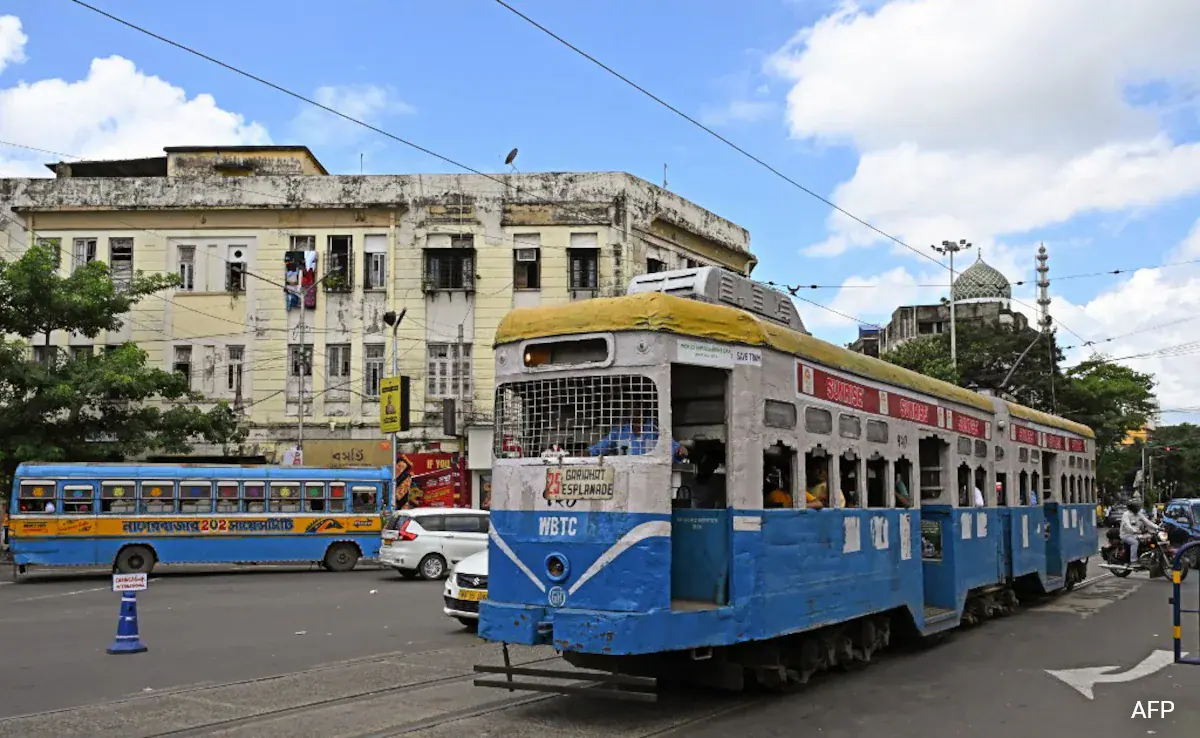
<point x="341" y="557"/>
<point x="135" y="560"/>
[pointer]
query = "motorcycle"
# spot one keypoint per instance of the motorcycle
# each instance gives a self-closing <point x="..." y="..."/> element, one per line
<point x="1154" y="555"/>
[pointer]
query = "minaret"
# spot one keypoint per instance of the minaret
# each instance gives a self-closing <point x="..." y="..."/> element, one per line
<point x="1043" y="285"/>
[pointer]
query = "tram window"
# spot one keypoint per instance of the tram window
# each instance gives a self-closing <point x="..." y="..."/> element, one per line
<point x="1071" y="461"/>
<point x="903" y="494"/>
<point x="979" y="493"/>
<point x="778" y="414"/>
<point x="118" y="497"/>
<point x="818" y="420"/>
<point x="1071" y="490"/>
<point x="1023" y="455"/>
<point x="1034" y="492"/>
<point x="1023" y="488"/>
<point x="1035" y="456"/>
<point x="877" y="431"/>
<point x="848" y="477"/>
<point x="158" y="497"/>
<point x="778" y="461"/>
<point x="964" y="485"/>
<point x="314" y="497"/>
<point x="849" y="426"/>
<point x="34" y="496"/>
<point x="195" y="497"/>
<point x="574" y="351"/>
<point x="1002" y="489"/>
<point x="877" y="474"/>
<point x="981" y="449"/>
<point x="816" y="476"/>
<point x="931" y="452"/>
<point x="964" y="446"/>
<point x="364" y="498"/>
<point x="78" y="499"/>
<point x="285" y="497"/>
<point x="999" y="453"/>
<point x="253" y="497"/>
<point x="1062" y="488"/>
<point x="337" y="497"/>
<point x="227" y="497"/>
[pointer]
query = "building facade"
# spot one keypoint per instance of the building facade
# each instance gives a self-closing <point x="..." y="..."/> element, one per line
<point x="981" y="294"/>
<point x="287" y="272"/>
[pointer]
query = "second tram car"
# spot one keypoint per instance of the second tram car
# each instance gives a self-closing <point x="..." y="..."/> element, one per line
<point x="687" y="482"/>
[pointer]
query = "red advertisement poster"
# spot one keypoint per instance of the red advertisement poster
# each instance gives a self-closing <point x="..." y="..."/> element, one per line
<point x="430" y="480"/>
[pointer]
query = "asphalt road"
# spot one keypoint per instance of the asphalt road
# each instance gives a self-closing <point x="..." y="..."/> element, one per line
<point x="276" y="653"/>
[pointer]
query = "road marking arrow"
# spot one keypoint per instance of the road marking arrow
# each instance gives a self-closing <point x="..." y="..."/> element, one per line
<point x="1083" y="680"/>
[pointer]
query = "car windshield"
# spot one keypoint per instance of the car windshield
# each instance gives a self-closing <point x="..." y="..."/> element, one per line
<point x="1196" y="511"/>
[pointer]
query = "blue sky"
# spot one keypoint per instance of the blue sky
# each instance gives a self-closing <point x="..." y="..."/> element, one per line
<point x="930" y="119"/>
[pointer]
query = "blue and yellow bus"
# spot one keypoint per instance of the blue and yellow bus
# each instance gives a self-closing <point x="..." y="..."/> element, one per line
<point x="134" y="516"/>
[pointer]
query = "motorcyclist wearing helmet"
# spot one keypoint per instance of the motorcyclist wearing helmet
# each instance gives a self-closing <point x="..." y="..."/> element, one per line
<point x="1133" y="522"/>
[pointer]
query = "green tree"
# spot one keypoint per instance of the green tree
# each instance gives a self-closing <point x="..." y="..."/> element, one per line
<point x="1174" y="453"/>
<point x="91" y="408"/>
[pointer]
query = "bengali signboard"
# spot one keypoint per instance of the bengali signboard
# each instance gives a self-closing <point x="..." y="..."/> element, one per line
<point x="818" y="383"/>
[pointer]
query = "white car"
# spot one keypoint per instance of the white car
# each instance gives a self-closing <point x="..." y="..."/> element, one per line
<point x="426" y="541"/>
<point x="466" y="587"/>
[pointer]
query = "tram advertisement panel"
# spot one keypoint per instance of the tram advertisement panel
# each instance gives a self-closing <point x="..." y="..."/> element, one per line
<point x="825" y="386"/>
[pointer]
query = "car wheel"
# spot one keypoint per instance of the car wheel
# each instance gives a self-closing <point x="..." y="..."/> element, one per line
<point x="432" y="566"/>
<point x="469" y="624"/>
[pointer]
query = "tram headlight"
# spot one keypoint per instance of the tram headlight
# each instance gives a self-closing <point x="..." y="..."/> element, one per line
<point x="557" y="567"/>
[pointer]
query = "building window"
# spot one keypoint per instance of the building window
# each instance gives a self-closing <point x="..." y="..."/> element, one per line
<point x="85" y="252"/>
<point x="183" y="363"/>
<point x="337" y="368"/>
<point x="300" y="360"/>
<point x="527" y="261"/>
<point x="375" y="275"/>
<point x="81" y="352"/>
<point x="372" y="368"/>
<point x="445" y="370"/>
<point x="44" y="355"/>
<point x="235" y="269"/>
<point x="187" y="268"/>
<point x="120" y="262"/>
<point x="584" y="259"/>
<point x="450" y="269"/>
<point x="654" y="266"/>
<point x="341" y="264"/>
<point x="235" y="368"/>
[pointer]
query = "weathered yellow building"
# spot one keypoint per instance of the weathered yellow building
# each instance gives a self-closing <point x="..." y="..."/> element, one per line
<point x="287" y="272"/>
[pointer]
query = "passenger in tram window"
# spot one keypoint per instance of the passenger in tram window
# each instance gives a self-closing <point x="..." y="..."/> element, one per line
<point x="635" y="438"/>
<point x="775" y="494"/>
<point x="777" y="484"/>
<point x="816" y="497"/>
<point x="979" y="501"/>
<point x="848" y="494"/>
<point x="902" y="497"/>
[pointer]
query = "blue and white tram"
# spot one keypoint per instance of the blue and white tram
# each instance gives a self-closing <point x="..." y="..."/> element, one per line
<point x="683" y="485"/>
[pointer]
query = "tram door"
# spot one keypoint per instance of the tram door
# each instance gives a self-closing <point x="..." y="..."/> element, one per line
<point x="1052" y="531"/>
<point x="700" y="520"/>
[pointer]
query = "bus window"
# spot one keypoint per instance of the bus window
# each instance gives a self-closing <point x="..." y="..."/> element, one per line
<point x="877" y="474"/>
<point x="848" y="468"/>
<point x="227" y="497"/>
<point x="285" y="497"/>
<point x="365" y="498"/>
<point x="118" y="497"/>
<point x="195" y="497"/>
<point x="337" y="497"/>
<point x="253" y="494"/>
<point x="314" y="497"/>
<point x="78" y="499"/>
<point x="35" y="496"/>
<point x="158" y="497"/>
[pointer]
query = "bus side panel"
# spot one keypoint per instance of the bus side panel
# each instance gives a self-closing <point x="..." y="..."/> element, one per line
<point x="237" y="549"/>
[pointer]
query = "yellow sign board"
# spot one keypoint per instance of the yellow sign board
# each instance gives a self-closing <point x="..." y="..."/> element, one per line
<point x="389" y="405"/>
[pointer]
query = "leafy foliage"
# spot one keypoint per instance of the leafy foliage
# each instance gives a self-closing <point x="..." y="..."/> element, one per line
<point x="89" y="408"/>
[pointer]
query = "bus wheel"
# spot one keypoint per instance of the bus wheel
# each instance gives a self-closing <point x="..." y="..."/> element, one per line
<point x="135" y="560"/>
<point x="341" y="557"/>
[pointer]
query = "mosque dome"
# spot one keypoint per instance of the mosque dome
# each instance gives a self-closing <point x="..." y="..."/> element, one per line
<point x="981" y="282"/>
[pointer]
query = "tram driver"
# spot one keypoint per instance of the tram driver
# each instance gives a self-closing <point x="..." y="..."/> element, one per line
<point x="634" y="438"/>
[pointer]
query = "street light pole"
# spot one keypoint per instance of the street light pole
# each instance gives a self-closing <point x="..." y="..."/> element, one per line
<point x="390" y="318"/>
<point x="951" y="248"/>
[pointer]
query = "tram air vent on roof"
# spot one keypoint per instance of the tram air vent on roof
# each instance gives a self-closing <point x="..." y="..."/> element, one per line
<point x="722" y="287"/>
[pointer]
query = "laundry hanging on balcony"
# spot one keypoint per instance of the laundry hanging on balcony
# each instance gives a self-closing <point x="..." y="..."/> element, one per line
<point x="301" y="270"/>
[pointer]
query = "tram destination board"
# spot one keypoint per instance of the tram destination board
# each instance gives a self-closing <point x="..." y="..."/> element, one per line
<point x="580" y="483"/>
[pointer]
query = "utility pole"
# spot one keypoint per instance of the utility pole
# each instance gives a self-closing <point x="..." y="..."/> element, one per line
<point x="394" y="321"/>
<point x="951" y="248"/>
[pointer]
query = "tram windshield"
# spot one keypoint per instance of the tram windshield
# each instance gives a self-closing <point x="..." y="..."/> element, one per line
<point x="604" y="415"/>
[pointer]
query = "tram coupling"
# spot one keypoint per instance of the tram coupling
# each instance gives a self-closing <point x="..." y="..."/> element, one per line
<point x="604" y="685"/>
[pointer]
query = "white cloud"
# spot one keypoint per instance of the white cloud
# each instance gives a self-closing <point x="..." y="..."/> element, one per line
<point x="739" y="111"/>
<point x="12" y="41"/>
<point x="115" y="111"/>
<point x="368" y="103"/>
<point x="993" y="117"/>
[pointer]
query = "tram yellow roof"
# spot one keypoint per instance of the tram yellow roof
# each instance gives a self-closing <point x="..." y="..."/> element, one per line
<point x="661" y="313"/>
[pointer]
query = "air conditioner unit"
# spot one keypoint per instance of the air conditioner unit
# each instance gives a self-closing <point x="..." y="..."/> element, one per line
<point x="723" y="287"/>
<point x="527" y="254"/>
